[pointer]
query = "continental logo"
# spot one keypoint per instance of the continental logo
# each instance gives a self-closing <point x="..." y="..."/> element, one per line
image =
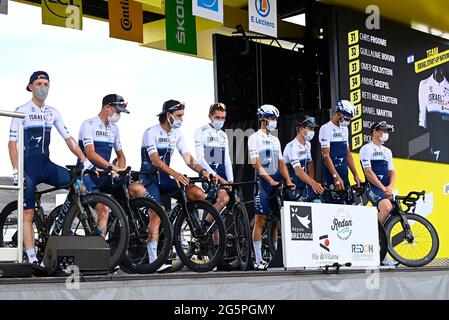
<point x="59" y="7"/>
<point x="125" y="21"/>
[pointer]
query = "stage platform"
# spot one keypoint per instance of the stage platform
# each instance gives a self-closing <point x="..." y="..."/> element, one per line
<point x="430" y="282"/>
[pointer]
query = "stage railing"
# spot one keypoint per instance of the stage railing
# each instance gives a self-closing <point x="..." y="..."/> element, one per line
<point x="16" y="254"/>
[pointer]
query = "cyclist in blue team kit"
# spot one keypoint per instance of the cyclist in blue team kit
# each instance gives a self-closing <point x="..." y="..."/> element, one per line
<point x="158" y="144"/>
<point x="212" y="151"/>
<point x="298" y="158"/>
<point x="377" y="163"/>
<point x="337" y="156"/>
<point x="266" y="158"/>
<point x="37" y="124"/>
<point x="97" y="137"/>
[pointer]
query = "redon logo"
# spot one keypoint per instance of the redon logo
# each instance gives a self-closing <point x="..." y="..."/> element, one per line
<point x="342" y="224"/>
<point x="208" y="4"/>
<point x="263" y="7"/>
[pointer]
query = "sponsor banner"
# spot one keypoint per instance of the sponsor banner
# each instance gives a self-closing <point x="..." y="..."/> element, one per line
<point x="316" y="235"/>
<point x="208" y="9"/>
<point x="262" y="16"/>
<point x="4" y="6"/>
<point x="125" y="20"/>
<point x="180" y="26"/>
<point x="66" y="14"/>
<point x="154" y="3"/>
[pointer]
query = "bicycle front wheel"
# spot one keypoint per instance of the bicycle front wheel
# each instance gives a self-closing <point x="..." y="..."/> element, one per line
<point x="136" y="259"/>
<point x="200" y="236"/>
<point x="416" y="252"/>
<point x="84" y="221"/>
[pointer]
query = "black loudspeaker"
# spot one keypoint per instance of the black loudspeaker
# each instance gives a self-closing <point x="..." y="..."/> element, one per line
<point x="15" y="270"/>
<point x="277" y="261"/>
<point x="89" y="254"/>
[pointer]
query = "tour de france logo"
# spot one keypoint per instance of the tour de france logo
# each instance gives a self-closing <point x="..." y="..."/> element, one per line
<point x="208" y="4"/>
<point x="342" y="224"/>
<point x="58" y="8"/>
<point x="263" y="7"/>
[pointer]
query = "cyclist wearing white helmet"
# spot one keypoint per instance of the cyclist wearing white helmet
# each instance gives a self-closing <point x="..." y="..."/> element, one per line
<point x="334" y="142"/>
<point x="266" y="158"/>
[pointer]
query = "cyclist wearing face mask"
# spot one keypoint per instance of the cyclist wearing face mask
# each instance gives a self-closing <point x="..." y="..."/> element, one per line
<point x="334" y="142"/>
<point x="37" y="124"/>
<point x="298" y="158"/>
<point x="266" y="158"/>
<point x="212" y="151"/>
<point x="377" y="163"/>
<point x="158" y="144"/>
<point x="97" y="137"/>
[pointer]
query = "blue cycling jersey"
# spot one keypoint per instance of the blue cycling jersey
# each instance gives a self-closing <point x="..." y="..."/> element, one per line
<point x="212" y="151"/>
<point x="380" y="159"/>
<point x="297" y="155"/>
<point x="37" y="126"/>
<point x="335" y="138"/>
<point x="103" y="137"/>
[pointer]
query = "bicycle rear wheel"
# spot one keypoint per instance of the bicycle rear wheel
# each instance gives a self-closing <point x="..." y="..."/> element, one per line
<point x="136" y="257"/>
<point x="242" y="235"/>
<point x="198" y="251"/>
<point x="416" y="252"/>
<point x="83" y="222"/>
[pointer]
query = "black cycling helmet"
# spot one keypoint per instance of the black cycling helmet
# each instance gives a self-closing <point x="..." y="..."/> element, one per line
<point x="306" y="121"/>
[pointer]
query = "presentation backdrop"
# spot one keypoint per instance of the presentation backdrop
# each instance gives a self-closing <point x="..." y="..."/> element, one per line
<point x="398" y="75"/>
<point x="401" y="76"/>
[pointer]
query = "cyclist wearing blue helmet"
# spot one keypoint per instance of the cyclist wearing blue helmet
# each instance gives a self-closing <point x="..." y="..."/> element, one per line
<point x="266" y="158"/>
<point x="334" y="142"/>
<point x="298" y="158"/>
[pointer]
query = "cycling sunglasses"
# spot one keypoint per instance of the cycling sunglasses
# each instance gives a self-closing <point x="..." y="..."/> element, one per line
<point x="176" y="107"/>
<point x="217" y="106"/>
<point x="310" y="121"/>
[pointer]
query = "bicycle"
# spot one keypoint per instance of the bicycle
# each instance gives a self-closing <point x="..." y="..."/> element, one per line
<point x="269" y="245"/>
<point x="76" y="201"/>
<point x="238" y="229"/>
<point x="408" y="233"/>
<point x="193" y="235"/>
<point x="136" y="210"/>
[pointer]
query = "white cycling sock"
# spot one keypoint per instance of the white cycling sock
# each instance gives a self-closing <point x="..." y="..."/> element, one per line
<point x="31" y="253"/>
<point x="275" y="245"/>
<point x="258" y="250"/>
<point x="152" y="251"/>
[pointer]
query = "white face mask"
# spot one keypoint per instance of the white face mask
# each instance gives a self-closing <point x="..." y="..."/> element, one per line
<point x="345" y="123"/>
<point x="271" y="125"/>
<point x="174" y="123"/>
<point x="384" y="137"/>
<point x="114" y="118"/>
<point x="217" y="124"/>
<point x="309" y="135"/>
<point x="41" y="93"/>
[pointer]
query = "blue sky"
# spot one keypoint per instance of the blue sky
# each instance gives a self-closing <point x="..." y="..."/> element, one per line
<point x="86" y="65"/>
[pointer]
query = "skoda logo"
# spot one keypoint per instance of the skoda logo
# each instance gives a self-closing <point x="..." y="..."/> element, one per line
<point x="263" y="7"/>
<point x="207" y="3"/>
